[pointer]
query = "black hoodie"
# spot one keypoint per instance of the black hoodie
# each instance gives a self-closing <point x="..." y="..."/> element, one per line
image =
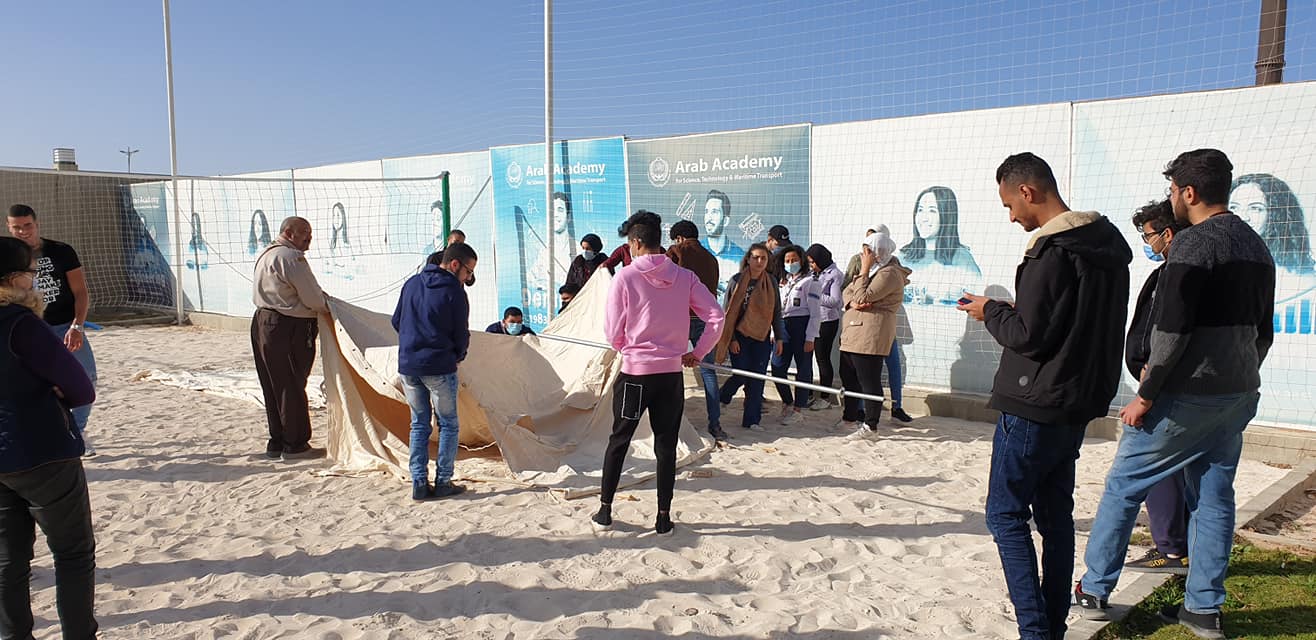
<point x="1064" y="336"/>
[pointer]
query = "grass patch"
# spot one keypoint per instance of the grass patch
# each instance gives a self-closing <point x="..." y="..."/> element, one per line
<point x="1271" y="595"/>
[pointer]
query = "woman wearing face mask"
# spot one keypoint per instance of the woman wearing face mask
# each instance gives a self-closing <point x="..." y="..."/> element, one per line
<point x="1167" y="512"/>
<point x="801" y="313"/>
<point x="41" y="478"/>
<point x="753" y="317"/>
<point x="869" y="327"/>
<point x="829" y="280"/>
<point x="589" y="259"/>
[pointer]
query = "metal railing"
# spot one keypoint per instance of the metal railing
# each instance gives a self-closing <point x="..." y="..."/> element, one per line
<point x="840" y="392"/>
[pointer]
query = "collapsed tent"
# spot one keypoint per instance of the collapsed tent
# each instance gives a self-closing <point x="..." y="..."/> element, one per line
<point x="546" y="404"/>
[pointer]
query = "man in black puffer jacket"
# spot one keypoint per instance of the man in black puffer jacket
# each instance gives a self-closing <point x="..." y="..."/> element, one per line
<point x="1060" y="367"/>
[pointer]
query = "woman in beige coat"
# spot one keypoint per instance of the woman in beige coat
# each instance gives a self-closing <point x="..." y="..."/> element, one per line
<point x="868" y="328"/>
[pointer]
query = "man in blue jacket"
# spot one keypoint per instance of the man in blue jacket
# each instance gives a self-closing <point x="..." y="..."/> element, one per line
<point x="433" y="336"/>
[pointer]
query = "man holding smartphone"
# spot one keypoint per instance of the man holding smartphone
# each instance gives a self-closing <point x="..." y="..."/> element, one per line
<point x="1060" y="366"/>
<point x="647" y="322"/>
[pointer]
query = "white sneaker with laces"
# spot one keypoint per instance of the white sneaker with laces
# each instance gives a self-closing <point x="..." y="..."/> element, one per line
<point x="820" y="405"/>
<point x="862" y="433"/>
<point x="794" y="418"/>
<point x="89" y="450"/>
<point x="755" y="428"/>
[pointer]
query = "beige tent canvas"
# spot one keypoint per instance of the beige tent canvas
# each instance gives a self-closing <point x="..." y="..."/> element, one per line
<point x="546" y="405"/>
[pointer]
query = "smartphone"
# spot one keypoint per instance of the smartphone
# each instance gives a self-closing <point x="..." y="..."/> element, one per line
<point x="963" y="300"/>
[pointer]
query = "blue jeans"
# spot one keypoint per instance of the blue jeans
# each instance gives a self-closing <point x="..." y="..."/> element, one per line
<point x="794" y="351"/>
<point x="1033" y="473"/>
<point x="87" y="359"/>
<point x="707" y="376"/>
<point x="894" y="376"/>
<point x="427" y="395"/>
<point x="753" y="357"/>
<point x="1202" y="437"/>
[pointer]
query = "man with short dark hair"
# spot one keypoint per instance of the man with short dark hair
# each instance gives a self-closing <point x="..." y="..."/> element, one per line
<point x="567" y="293"/>
<point x="1211" y="330"/>
<point x="1167" y="514"/>
<point x="432" y="319"/>
<point x="455" y="236"/>
<point x="648" y="304"/>
<point x="779" y="237"/>
<point x="687" y="253"/>
<point x="63" y="282"/>
<point x="513" y="324"/>
<point x="1060" y="368"/>
<point x="283" y="332"/>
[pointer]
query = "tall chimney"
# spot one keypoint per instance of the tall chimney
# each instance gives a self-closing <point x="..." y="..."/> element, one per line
<point x="1270" y="42"/>
<point x="64" y="160"/>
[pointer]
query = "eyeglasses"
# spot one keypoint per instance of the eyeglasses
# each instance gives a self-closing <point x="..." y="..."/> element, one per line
<point x="1148" y="236"/>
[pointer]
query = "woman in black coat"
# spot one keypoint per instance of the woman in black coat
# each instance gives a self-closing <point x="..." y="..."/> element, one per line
<point x="589" y="259"/>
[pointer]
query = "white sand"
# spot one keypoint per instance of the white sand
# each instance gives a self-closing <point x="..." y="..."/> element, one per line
<point x="791" y="532"/>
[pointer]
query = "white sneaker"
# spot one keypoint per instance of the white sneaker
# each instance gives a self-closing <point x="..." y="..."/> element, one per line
<point x="755" y="428"/>
<point x="820" y="405"/>
<point x="89" y="450"/>
<point x="794" y="418"/>
<point x="862" y="433"/>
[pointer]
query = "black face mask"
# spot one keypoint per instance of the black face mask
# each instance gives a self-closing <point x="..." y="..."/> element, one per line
<point x="470" y="282"/>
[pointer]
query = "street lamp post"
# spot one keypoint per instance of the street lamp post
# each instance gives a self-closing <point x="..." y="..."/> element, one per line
<point x="129" y="152"/>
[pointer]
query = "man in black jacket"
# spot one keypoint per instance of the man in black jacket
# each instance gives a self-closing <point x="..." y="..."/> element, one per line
<point x="1060" y="367"/>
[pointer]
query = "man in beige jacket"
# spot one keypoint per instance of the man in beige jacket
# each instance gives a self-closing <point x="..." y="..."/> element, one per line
<point x="283" y="333"/>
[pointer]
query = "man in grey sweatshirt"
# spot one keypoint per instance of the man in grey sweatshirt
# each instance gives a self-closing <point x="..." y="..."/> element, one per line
<point x="1212" y="326"/>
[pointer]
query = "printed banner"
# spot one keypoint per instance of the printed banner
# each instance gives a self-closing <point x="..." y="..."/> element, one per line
<point x="589" y="184"/>
<point x="146" y="236"/>
<point x="734" y="186"/>
<point x="415" y="221"/>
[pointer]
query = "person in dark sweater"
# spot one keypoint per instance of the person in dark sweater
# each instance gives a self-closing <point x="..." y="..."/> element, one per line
<point x="41" y="477"/>
<point x="589" y="259"/>
<point x="687" y="253"/>
<point x="1167" y="514"/>
<point x="1212" y="326"/>
<point x="513" y="324"/>
<point x="1060" y="367"/>
<point x="432" y="319"/>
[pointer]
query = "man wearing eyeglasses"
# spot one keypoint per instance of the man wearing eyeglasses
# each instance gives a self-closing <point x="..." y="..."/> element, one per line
<point x="283" y="333"/>
<point x="432" y="320"/>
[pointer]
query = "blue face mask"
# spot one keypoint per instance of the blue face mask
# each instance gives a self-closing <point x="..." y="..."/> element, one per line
<point x="513" y="328"/>
<point x="1151" y="254"/>
<point x="589" y="255"/>
<point x="792" y="268"/>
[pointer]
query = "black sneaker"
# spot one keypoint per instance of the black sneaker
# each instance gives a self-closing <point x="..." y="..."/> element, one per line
<point x="1093" y="608"/>
<point x="717" y="433"/>
<point x="1156" y="562"/>
<point x="274" y="454"/>
<point x="899" y="414"/>
<point x="1203" y="625"/>
<point x="309" y="453"/>
<point x="447" y="489"/>
<point x="422" y="492"/>
<point x="602" y="519"/>
<point x="663" y="524"/>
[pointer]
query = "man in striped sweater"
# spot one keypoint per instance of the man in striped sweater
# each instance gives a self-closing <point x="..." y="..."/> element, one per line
<point x="1212" y="327"/>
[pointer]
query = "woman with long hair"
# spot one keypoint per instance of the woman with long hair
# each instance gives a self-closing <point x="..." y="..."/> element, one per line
<point x="42" y="482"/>
<point x="258" y="234"/>
<point x="936" y="248"/>
<point x="801" y="314"/>
<point x="869" y="328"/>
<point x="1270" y="206"/>
<point x="753" y="319"/>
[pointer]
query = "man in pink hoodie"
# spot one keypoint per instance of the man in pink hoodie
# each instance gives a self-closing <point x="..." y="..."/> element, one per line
<point x="648" y="322"/>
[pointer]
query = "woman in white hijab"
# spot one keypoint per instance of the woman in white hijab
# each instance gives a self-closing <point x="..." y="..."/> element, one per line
<point x="868" y="327"/>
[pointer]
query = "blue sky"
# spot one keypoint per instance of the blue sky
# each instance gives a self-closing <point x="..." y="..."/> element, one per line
<point x="268" y="85"/>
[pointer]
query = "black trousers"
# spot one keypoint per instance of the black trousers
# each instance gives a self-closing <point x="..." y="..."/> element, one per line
<point x="862" y="372"/>
<point x="284" y="348"/>
<point x="54" y="497"/>
<point x="662" y="395"/>
<point x="822" y="352"/>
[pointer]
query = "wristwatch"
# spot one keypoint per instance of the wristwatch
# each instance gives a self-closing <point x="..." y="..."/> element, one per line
<point x="76" y="327"/>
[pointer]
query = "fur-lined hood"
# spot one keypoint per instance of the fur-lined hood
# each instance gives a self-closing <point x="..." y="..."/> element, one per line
<point x="30" y="298"/>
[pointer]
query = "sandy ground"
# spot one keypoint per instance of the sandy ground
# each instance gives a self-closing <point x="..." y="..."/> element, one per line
<point x="788" y="533"/>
